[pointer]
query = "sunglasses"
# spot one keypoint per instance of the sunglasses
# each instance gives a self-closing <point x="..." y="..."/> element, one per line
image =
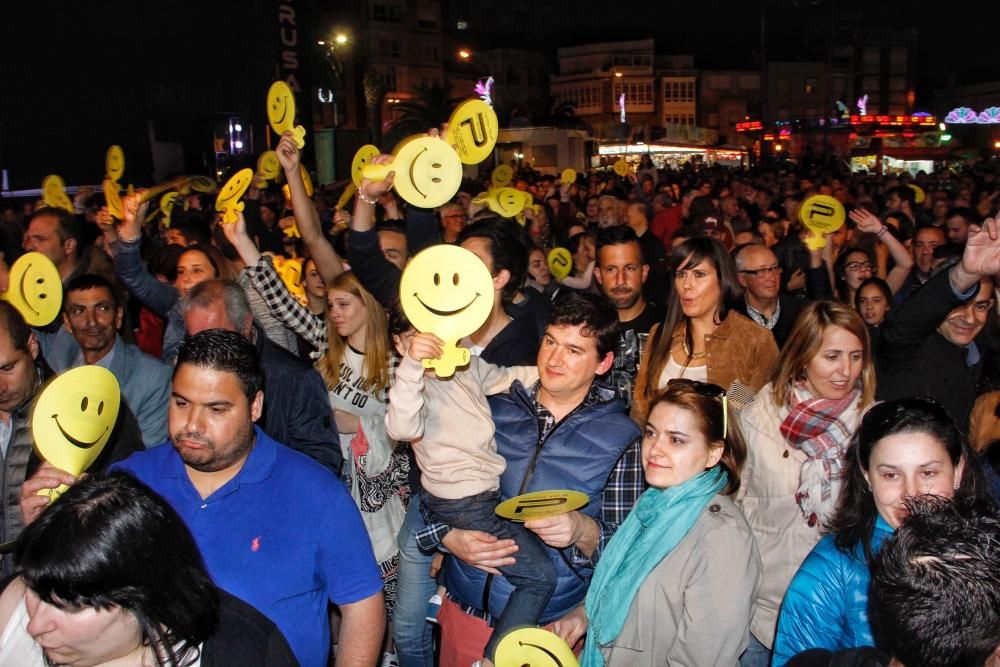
<point x="707" y="390"/>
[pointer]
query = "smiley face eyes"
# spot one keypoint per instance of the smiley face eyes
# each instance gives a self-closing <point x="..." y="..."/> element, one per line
<point x="454" y="279"/>
<point x="86" y="402"/>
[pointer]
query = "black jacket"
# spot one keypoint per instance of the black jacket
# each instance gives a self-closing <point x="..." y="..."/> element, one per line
<point x="296" y="406"/>
<point x="915" y="360"/>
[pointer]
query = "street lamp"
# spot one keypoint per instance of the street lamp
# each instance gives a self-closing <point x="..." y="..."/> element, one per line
<point x="464" y="54"/>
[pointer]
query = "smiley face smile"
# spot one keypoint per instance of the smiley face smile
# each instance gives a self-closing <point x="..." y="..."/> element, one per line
<point x="445" y="313"/>
<point x="79" y="443"/>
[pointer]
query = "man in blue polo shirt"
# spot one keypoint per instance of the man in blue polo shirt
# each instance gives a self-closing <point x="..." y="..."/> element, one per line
<point x="275" y="528"/>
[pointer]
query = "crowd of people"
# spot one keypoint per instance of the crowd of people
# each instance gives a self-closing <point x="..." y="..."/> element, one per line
<point x="788" y="447"/>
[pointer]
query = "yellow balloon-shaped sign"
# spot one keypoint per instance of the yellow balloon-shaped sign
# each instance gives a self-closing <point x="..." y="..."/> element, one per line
<point x="918" y="192"/>
<point x="446" y="290"/>
<point x="560" y="262"/>
<point x="822" y="214"/>
<point x="568" y="176"/>
<point x="508" y="202"/>
<point x="534" y="647"/>
<point x="428" y="171"/>
<point x="114" y="163"/>
<point x="541" y="504"/>
<point x="621" y="168"/>
<point x="203" y="184"/>
<point x="472" y="130"/>
<point x="113" y="198"/>
<point x="74" y="417"/>
<point x="281" y="112"/>
<point x="228" y="202"/>
<point x="502" y="175"/>
<point x="35" y="289"/>
<point x="362" y="158"/>
<point x="268" y="166"/>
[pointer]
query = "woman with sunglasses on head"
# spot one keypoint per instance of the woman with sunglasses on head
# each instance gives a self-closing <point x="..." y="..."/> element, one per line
<point x="797" y="431"/>
<point x="902" y="449"/>
<point x="676" y="583"/>
<point x="703" y="337"/>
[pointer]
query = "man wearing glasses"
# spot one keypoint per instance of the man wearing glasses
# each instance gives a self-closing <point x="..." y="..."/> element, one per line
<point x="928" y="344"/>
<point x="760" y="275"/>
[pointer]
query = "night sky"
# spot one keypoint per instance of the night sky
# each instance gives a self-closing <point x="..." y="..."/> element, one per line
<point x="75" y="75"/>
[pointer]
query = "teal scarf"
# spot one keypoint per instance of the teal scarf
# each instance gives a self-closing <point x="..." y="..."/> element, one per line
<point x="657" y="524"/>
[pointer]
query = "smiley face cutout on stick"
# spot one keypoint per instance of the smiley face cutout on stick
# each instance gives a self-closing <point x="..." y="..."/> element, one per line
<point x="362" y="159"/>
<point x="281" y="112"/>
<point x="228" y="202"/>
<point x="73" y="419"/>
<point x="534" y="647"/>
<point x="508" y="202"/>
<point x="428" y="172"/>
<point x="35" y="289"/>
<point x="268" y="166"/>
<point x="447" y="291"/>
<point x="114" y="163"/>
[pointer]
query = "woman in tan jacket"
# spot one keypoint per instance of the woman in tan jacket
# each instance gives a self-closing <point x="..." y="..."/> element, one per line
<point x="797" y="431"/>
<point x="710" y="341"/>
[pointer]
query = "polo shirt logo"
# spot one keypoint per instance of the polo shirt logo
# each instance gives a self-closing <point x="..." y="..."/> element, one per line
<point x="255" y="544"/>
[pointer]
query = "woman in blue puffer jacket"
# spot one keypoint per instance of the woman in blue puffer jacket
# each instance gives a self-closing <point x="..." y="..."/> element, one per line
<point x="902" y="448"/>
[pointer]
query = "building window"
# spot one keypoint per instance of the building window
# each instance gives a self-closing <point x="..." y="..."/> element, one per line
<point x="462" y="25"/>
<point x="810" y="85"/>
<point x="898" y="55"/>
<point x="784" y="85"/>
<point x="396" y="48"/>
<point x="387" y="13"/>
<point x="636" y="93"/>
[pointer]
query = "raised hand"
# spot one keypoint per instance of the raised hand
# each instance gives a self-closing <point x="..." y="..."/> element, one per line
<point x="866" y="221"/>
<point x="289" y="155"/>
<point x="375" y="189"/>
<point x="982" y="250"/>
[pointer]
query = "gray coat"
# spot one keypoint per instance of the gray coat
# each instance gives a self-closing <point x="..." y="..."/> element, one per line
<point x="694" y="608"/>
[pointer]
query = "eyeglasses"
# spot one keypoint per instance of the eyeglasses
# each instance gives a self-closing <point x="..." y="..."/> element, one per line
<point x="763" y="271"/>
<point x="710" y="391"/>
<point x="859" y="266"/>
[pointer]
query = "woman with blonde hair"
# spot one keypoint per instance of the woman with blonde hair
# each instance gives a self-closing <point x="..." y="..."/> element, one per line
<point x="703" y="337"/>
<point x="356" y="368"/>
<point x="797" y="432"/>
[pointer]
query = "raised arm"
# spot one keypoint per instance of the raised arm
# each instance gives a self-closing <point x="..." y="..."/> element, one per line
<point x="868" y="222"/>
<point x="327" y="261"/>
<point x="156" y="296"/>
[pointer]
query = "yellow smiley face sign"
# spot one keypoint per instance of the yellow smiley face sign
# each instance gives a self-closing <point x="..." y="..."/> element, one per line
<point x="114" y="163"/>
<point x="534" y="647"/>
<point x="268" y="166"/>
<point x="541" y="504"/>
<point x="281" y="112"/>
<point x="167" y="203"/>
<point x="73" y="419"/>
<point x="428" y="171"/>
<point x="508" y="202"/>
<point x="560" y="262"/>
<point x="621" y="168"/>
<point x="472" y="130"/>
<point x="228" y="202"/>
<point x="54" y="193"/>
<point x="362" y="158"/>
<point x="450" y="302"/>
<point x="203" y="184"/>
<point x="502" y="175"/>
<point x="113" y="198"/>
<point x="35" y="289"/>
<point x="568" y="176"/>
<point x="822" y="214"/>
<point x="918" y="193"/>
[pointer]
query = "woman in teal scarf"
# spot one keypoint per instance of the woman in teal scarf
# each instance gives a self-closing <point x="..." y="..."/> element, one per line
<point x="676" y="584"/>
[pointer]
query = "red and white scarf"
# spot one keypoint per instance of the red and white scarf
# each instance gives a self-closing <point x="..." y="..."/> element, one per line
<point x="820" y="428"/>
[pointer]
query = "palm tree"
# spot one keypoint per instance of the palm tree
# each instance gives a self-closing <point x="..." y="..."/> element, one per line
<point x="431" y="106"/>
<point x="374" y="86"/>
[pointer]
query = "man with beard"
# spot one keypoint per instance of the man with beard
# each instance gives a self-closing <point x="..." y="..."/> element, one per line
<point x="250" y="503"/>
<point x="621" y="272"/>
